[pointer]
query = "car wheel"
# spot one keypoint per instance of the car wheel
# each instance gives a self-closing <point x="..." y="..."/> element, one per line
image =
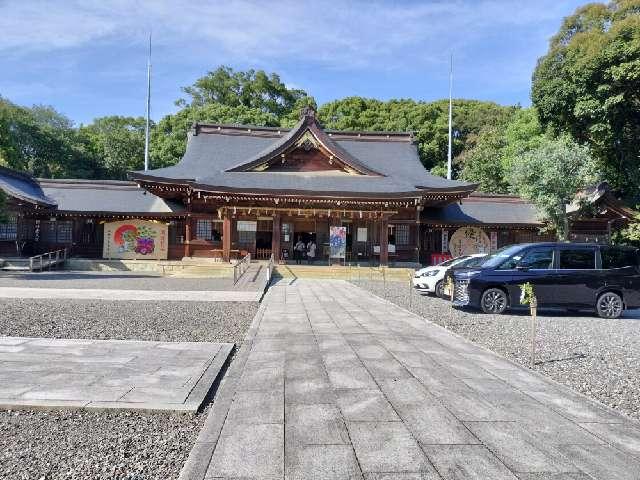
<point x="494" y="300"/>
<point x="440" y="289"/>
<point x="609" y="305"/>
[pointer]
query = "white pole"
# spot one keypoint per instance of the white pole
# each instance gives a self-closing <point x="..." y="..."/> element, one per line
<point x="146" y="131"/>
<point x="450" y="115"/>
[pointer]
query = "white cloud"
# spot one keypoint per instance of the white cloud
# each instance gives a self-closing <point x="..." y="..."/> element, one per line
<point x="336" y="34"/>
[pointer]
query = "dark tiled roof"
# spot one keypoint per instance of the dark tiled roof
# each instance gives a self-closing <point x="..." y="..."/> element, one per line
<point x="23" y="187"/>
<point x="485" y="209"/>
<point x="214" y="150"/>
<point x="106" y="196"/>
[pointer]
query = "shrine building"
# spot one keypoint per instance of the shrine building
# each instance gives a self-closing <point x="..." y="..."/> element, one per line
<point x="258" y="190"/>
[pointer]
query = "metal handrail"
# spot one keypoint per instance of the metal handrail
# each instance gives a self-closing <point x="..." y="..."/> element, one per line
<point x="241" y="267"/>
<point x="53" y="258"/>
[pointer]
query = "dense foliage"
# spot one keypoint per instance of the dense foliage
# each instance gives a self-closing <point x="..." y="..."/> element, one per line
<point x="588" y="85"/>
<point x="550" y="176"/>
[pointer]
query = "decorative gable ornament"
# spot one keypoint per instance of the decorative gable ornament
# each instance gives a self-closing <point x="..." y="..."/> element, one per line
<point x="306" y="147"/>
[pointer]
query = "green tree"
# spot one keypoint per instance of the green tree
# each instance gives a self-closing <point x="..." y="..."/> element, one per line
<point x="226" y="96"/>
<point x="42" y="142"/>
<point x="483" y="162"/>
<point x="588" y="84"/>
<point x="551" y="175"/>
<point x="169" y="137"/>
<point x="488" y="157"/>
<point x="116" y="144"/>
<point x="428" y="120"/>
<point x="252" y="89"/>
<point x="630" y="235"/>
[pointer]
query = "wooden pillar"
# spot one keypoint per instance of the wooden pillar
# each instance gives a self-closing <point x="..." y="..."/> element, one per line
<point x="384" y="241"/>
<point x="187" y="236"/>
<point x="226" y="238"/>
<point x="275" y="236"/>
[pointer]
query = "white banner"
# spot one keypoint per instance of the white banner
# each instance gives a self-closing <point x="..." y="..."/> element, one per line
<point x="247" y="226"/>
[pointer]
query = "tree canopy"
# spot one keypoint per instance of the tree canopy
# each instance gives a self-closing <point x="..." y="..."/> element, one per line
<point x="551" y="175"/>
<point x="116" y="144"/>
<point x="588" y="84"/>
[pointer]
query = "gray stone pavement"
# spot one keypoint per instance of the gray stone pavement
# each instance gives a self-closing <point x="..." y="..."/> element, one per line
<point x="334" y="383"/>
<point x="103" y="374"/>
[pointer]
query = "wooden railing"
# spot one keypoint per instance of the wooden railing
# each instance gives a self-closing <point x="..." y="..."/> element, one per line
<point x="47" y="260"/>
<point x="241" y="267"/>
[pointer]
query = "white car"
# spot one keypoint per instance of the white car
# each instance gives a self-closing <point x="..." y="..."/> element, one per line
<point x="431" y="279"/>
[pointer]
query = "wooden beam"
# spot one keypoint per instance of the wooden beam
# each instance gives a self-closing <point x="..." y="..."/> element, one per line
<point x="275" y="236"/>
<point x="384" y="241"/>
<point x="226" y="238"/>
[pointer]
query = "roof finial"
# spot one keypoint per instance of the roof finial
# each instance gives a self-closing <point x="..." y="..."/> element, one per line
<point x="307" y="111"/>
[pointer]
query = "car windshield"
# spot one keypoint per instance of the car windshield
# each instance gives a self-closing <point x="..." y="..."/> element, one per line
<point x="453" y="261"/>
<point x="473" y="261"/>
<point x="496" y="258"/>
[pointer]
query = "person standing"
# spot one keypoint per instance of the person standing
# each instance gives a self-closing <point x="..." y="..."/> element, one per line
<point x="311" y="251"/>
<point x="298" y="250"/>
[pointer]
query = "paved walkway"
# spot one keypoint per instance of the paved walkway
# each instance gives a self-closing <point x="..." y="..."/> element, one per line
<point x="128" y="295"/>
<point x="334" y="383"/>
<point x="100" y="374"/>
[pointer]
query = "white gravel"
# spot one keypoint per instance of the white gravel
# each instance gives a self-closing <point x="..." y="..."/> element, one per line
<point x="600" y="358"/>
<point x="114" y="445"/>
<point x="115" y="281"/>
<point x="159" y="321"/>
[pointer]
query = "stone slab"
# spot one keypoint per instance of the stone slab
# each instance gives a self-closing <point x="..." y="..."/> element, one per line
<point x="333" y="382"/>
<point x="130" y="375"/>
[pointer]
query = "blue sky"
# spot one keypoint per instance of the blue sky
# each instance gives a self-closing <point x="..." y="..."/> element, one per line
<point x="88" y="58"/>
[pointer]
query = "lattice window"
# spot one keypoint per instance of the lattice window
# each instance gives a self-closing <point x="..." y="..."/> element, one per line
<point x="402" y="234"/>
<point x="203" y="230"/>
<point x="9" y="230"/>
<point x="64" y="232"/>
<point x="246" y="237"/>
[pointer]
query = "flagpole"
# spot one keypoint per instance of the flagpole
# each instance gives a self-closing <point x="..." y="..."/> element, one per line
<point x="450" y="115"/>
<point x="146" y="130"/>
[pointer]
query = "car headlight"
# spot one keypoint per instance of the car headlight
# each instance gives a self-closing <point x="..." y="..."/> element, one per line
<point x="430" y="273"/>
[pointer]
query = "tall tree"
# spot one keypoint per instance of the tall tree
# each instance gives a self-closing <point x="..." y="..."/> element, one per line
<point x="42" y="142"/>
<point x="551" y="175"/>
<point x="169" y="137"/>
<point x="588" y="84"/>
<point x="116" y="143"/>
<point x="429" y="121"/>
<point x="252" y="89"/>
<point x="483" y="162"/>
<point x="488" y="157"/>
<point x="226" y="96"/>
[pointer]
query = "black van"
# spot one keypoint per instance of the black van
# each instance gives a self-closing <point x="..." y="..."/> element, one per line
<point x="568" y="275"/>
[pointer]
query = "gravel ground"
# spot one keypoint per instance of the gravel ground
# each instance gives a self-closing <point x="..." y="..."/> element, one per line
<point x="114" y="445"/>
<point x="160" y="321"/>
<point x="600" y="358"/>
<point x="110" y="281"/>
